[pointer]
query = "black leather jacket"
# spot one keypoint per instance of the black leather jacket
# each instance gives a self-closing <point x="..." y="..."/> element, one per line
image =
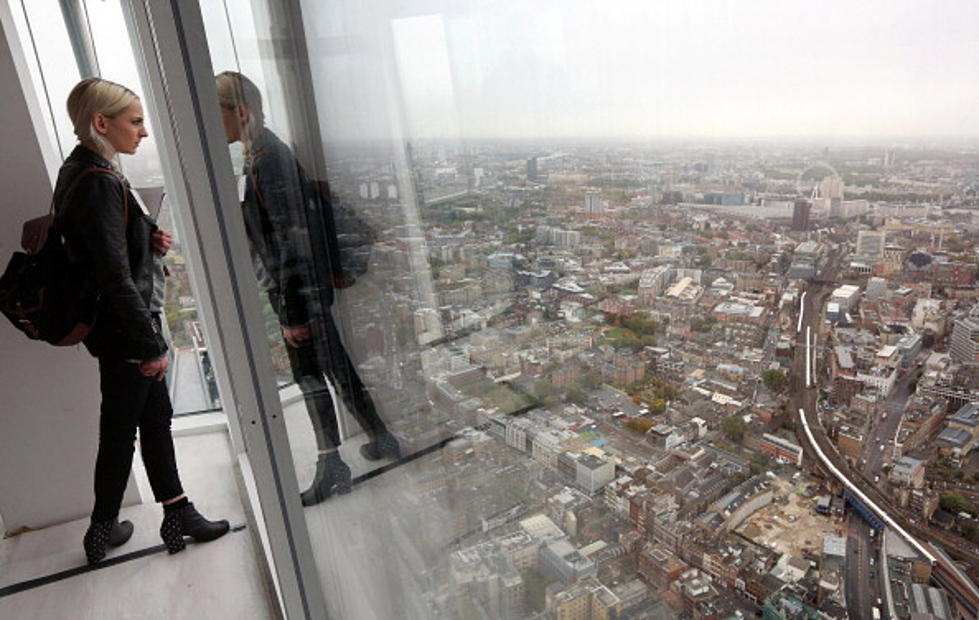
<point x="290" y="229"/>
<point x="110" y="250"/>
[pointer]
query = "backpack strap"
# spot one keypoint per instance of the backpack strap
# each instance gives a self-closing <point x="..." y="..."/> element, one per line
<point x="35" y="232"/>
<point x="88" y="171"/>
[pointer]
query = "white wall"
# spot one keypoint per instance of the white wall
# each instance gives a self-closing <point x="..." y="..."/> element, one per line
<point x="49" y="398"/>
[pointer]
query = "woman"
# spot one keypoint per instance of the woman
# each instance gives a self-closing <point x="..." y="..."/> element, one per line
<point x="297" y="263"/>
<point x="115" y="245"/>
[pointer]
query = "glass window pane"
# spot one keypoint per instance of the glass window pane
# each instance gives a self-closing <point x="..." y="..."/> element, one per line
<point x="45" y="42"/>
<point x="191" y="378"/>
<point x="571" y="247"/>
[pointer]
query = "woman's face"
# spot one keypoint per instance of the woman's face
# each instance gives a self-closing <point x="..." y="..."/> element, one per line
<point x="125" y="130"/>
<point x="233" y="118"/>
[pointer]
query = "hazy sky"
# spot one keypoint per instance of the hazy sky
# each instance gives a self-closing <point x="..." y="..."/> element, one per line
<point x="687" y="68"/>
<point x="583" y="68"/>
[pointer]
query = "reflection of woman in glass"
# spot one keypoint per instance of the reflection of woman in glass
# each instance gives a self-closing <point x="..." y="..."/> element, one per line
<point x="113" y="242"/>
<point x="294" y="252"/>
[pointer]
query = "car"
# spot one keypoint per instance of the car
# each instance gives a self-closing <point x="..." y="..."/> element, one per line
<point x="871" y="560"/>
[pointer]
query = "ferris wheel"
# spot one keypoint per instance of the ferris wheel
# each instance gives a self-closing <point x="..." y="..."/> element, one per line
<point x="802" y="183"/>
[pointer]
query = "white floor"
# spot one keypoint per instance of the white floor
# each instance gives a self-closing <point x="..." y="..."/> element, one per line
<point x="217" y="580"/>
<point x="373" y="548"/>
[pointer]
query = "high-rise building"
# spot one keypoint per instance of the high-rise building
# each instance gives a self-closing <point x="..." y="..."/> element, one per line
<point x="593" y="203"/>
<point x="800" y="215"/>
<point x="836" y="207"/>
<point x="831" y="187"/>
<point x="870" y="243"/>
<point x="532" y="169"/>
<point x="964" y="346"/>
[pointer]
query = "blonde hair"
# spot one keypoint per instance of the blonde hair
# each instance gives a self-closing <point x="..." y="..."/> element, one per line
<point x="235" y="89"/>
<point x="96" y="96"/>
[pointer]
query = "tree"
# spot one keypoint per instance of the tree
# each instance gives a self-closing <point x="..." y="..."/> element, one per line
<point x="576" y="395"/>
<point x="638" y="425"/>
<point x="665" y="391"/>
<point x="955" y="503"/>
<point x="704" y="325"/>
<point x="640" y="324"/>
<point x="591" y="380"/>
<point x="773" y="379"/>
<point x="544" y="389"/>
<point x="734" y="427"/>
<point x="760" y="463"/>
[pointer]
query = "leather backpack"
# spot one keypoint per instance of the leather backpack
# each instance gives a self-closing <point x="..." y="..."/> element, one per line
<point x="39" y="294"/>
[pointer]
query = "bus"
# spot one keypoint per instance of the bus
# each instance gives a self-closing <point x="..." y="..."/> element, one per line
<point x="876" y="612"/>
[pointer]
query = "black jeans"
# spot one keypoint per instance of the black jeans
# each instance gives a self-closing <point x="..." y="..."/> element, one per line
<point x="131" y="401"/>
<point x="324" y="356"/>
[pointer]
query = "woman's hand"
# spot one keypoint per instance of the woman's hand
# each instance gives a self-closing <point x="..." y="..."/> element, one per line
<point x="156" y="368"/>
<point x="295" y="335"/>
<point x="161" y="240"/>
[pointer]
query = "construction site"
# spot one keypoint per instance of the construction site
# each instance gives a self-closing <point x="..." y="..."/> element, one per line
<point x="790" y="524"/>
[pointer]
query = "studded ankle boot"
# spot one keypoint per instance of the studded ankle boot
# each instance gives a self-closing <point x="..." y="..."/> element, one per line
<point x="102" y="534"/>
<point x="332" y="477"/>
<point x="183" y="519"/>
<point x="96" y="540"/>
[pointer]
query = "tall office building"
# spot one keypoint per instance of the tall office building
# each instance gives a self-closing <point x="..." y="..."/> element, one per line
<point x="964" y="346"/>
<point x="593" y="203"/>
<point x="836" y="207"/>
<point x="532" y="169"/>
<point x="800" y="215"/>
<point x="870" y="243"/>
<point x="831" y="187"/>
